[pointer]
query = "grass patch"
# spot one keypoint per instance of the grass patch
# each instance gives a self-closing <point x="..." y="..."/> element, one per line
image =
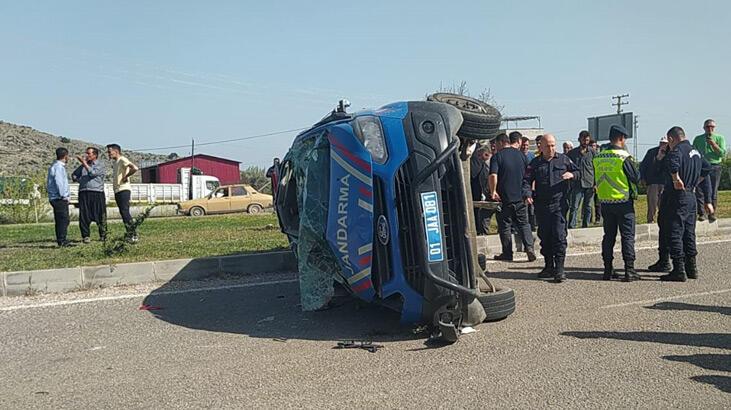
<point x="30" y="247"/>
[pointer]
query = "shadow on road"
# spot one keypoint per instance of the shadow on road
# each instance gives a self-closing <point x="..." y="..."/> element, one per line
<point x="714" y="362"/>
<point x="713" y="340"/>
<point x="724" y="310"/>
<point x="272" y="311"/>
<point x="722" y="383"/>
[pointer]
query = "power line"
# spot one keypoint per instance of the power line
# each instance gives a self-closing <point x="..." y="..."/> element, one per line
<point x="619" y="102"/>
<point x="251" y="137"/>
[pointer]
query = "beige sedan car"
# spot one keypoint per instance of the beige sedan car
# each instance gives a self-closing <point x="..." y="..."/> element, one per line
<point x="227" y="199"/>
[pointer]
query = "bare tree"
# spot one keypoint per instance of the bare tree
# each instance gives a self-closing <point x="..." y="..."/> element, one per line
<point x="461" y="89"/>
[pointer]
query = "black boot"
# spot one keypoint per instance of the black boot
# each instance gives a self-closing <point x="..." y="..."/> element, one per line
<point x="678" y="272"/>
<point x="609" y="272"/>
<point x="691" y="270"/>
<point x="662" y="264"/>
<point x="630" y="275"/>
<point x="560" y="275"/>
<point x="548" y="270"/>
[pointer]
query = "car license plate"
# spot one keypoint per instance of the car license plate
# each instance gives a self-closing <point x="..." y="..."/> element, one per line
<point x="432" y="225"/>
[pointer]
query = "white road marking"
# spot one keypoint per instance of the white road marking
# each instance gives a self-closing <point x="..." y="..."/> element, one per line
<point x="142" y="295"/>
<point x="643" y="248"/>
<point x="647" y="302"/>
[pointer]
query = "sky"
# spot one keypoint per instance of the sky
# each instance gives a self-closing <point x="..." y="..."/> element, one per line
<point x="158" y="74"/>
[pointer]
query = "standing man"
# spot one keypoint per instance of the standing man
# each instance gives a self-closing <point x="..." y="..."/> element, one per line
<point x="567" y="146"/>
<point x="712" y="147"/>
<point x="478" y="185"/>
<point x="92" y="202"/>
<point x="123" y="169"/>
<point x="57" y="186"/>
<point x="551" y="173"/>
<point x="507" y="169"/>
<point x="616" y="181"/>
<point x="525" y="148"/>
<point x="273" y="175"/>
<point x="685" y="168"/>
<point x="529" y="155"/>
<point x="582" y="187"/>
<point x="652" y="178"/>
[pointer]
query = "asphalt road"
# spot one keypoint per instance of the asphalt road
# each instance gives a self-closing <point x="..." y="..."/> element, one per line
<point x="584" y="343"/>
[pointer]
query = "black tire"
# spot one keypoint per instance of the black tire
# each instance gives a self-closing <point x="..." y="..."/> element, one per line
<point x="254" y="209"/>
<point x="499" y="304"/>
<point x="197" y="211"/>
<point x="480" y="120"/>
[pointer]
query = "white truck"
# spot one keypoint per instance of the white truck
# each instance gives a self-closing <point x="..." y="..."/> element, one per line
<point x="188" y="187"/>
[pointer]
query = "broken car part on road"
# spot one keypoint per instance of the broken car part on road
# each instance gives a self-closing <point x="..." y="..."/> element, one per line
<point x="377" y="202"/>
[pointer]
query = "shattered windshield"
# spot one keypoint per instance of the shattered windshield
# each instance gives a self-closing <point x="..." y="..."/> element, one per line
<point x="318" y="266"/>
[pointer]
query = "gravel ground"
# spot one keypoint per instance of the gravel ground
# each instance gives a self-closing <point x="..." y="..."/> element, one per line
<point x="244" y="343"/>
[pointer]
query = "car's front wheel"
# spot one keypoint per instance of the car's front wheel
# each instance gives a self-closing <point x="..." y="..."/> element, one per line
<point x="498" y="304"/>
<point x="197" y="211"/>
<point x="255" y="209"/>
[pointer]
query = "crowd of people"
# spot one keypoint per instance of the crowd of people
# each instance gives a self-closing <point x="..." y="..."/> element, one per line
<point x="547" y="191"/>
<point x="90" y="176"/>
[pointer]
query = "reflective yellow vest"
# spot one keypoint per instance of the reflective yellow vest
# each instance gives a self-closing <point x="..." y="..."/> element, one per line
<point x="611" y="182"/>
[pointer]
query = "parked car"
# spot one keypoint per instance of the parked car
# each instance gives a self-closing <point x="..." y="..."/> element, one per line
<point x="228" y="199"/>
<point x="377" y="201"/>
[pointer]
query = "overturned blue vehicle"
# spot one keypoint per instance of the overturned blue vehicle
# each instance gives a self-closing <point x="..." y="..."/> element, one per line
<point x="377" y="202"/>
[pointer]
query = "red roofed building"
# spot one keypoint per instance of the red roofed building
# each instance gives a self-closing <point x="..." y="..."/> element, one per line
<point x="226" y="170"/>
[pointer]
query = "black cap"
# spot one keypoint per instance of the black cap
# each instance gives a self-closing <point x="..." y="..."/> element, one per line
<point x="615" y="130"/>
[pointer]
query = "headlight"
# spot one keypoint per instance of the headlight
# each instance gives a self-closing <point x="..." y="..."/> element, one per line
<point x="370" y="133"/>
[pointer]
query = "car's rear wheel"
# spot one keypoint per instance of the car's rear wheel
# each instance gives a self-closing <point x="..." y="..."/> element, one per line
<point x="481" y="121"/>
<point x="255" y="209"/>
<point x="197" y="211"/>
<point x="499" y="304"/>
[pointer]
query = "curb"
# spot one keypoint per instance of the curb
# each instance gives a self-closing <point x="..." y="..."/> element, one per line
<point x="87" y="277"/>
<point x="593" y="236"/>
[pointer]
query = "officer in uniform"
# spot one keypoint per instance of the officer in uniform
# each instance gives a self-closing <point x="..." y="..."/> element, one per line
<point x="683" y="168"/>
<point x="551" y="173"/>
<point x="616" y="182"/>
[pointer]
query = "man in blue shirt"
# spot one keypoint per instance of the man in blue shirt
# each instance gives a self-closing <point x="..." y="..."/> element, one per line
<point x="57" y="185"/>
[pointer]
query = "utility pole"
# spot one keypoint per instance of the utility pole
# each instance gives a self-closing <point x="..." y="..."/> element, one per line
<point x="192" y="155"/>
<point x="636" y="136"/>
<point x="619" y="102"/>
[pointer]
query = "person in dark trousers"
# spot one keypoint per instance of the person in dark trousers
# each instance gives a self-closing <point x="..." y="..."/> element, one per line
<point x="273" y="175"/>
<point x="57" y="186"/>
<point x="507" y="169"/>
<point x="525" y="149"/>
<point x="712" y="148"/>
<point x="652" y="178"/>
<point x="616" y="182"/>
<point x="684" y="167"/>
<point x="597" y="206"/>
<point x="92" y="202"/>
<point x="123" y="169"/>
<point x="478" y="185"/>
<point x="582" y="189"/>
<point x="551" y="173"/>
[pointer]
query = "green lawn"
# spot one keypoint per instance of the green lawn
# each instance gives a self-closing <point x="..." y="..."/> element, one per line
<point x="29" y="247"/>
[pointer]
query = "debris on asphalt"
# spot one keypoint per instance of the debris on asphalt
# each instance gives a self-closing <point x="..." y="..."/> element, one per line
<point x="358" y="344"/>
<point x="467" y="330"/>
<point x="150" y="307"/>
<point x="265" y="320"/>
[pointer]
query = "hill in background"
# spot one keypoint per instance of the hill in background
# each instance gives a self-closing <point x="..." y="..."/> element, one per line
<point x="25" y="151"/>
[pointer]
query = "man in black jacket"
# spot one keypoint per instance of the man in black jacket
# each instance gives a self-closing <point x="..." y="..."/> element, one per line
<point x="582" y="187"/>
<point x="652" y="178"/>
<point x="683" y="167"/>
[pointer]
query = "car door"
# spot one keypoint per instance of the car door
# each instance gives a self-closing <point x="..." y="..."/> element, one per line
<point x="220" y="201"/>
<point x="240" y="198"/>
